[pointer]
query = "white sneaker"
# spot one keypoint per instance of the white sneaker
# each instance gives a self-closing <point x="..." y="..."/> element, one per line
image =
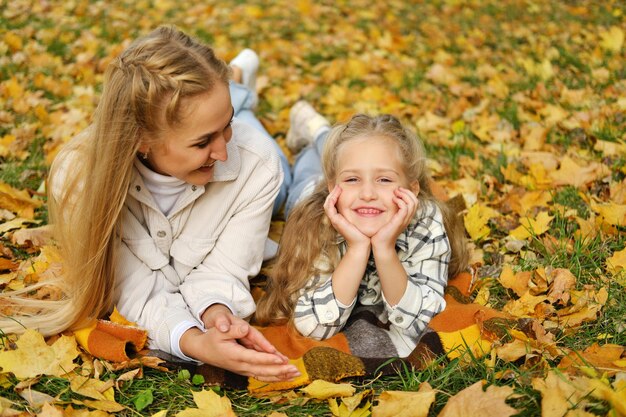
<point x="248" y="62"/>
<point x="304" y="125"/>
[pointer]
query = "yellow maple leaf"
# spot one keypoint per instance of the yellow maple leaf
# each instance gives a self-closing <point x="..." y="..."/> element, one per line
<point x="117" y="317"/>
<point x="534" y="199"/>
<point x="532" y="227"/>
<point x="13" y="41"/>
<point x="617" y="397"/>
<point x="571" y="173"/>
<point x="512" y="351"/>
<point x="92" y="388"/>
<point x="613" y="214"/>
<point x="524" y="306"/>
<point x="33" y="357"/>
<point x="405" y="403"/>
<point x="322" y="390"/>
<point x="349" y="406"/>
<point x="517" y="282"/>
<point x="612" y="39"/>
<point x="617" y="263"/>
<point x="473" y="401"/>
<point x="558" y="394"/>
<point x="18" y="201"/>
<point x="209" y="404"/>
<point x="476" y="220"/>
<point x="543" y="70"/>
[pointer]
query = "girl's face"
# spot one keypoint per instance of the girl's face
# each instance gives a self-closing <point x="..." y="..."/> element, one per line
<point x="369" y="169"/>
<point x="190" y="150"/>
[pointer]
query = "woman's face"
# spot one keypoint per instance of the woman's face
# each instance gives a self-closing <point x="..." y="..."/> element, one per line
<point x="190" y="150"/>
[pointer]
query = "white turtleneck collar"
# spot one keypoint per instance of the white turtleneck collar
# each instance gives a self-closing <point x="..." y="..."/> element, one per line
<point x="164" y="189"/>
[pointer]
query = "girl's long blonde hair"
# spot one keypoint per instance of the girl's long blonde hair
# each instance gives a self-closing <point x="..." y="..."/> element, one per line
<point x="308" y="233"/>
<point x="142" y="95"/>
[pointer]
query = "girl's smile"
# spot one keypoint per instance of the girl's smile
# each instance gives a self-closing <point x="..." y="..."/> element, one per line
<point x="369" y="170"/>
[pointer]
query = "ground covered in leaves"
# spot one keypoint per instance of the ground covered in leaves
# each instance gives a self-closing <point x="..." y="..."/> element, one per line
<point x="522" y="107"/>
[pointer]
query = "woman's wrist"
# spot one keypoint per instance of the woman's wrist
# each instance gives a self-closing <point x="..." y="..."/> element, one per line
<point x="187" y="342"/>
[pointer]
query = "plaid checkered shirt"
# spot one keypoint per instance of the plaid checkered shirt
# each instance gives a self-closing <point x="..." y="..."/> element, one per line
<point x="424" y="251"/>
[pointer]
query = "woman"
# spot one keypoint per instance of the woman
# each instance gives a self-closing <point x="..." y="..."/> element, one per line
<point x="162" y="208"/>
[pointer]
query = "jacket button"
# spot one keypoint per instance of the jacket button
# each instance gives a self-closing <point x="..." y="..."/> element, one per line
<point x="194" y="188"/>
<point x="138" y="187"/>
<point x="329" y="315"/>
<point x="161" y="233"/>
<point x="399" y="319"/>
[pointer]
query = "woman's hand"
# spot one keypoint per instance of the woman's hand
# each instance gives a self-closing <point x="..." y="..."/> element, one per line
<point x="350" y="233"/>
<point x="221" y="349"/>
<point x="220" y="317"/>
<point x="385" y="238"/>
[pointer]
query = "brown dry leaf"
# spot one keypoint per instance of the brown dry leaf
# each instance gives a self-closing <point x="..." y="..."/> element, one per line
<point x="8" y="265"/>
<point x="563" y="281"/>
<point x="405" y="403"/>
<point x="49" y="410"/>
<point x="38" y="236"/>
<point x="473" y="401"/>
<point x="147" y="361"/>
<point x="16" y="223"/>
<point x="6" y="408"/>
<point x="534" y="136"/>
<point x="322" y="390"/>
<point x="209" y="405"/>
<point x="35" y="398"/>
<point x="605" y="358"/>
<point x="34" y="357"/>
<point x="130" y="375"/>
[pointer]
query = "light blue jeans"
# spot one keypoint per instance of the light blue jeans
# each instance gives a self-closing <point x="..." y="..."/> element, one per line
<point x="307" y="171"/>
<point x="243" y="101"/>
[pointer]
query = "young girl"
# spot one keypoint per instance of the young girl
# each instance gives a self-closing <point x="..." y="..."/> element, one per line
<point x="370" y="235"/>
<point x="162" y="207"/>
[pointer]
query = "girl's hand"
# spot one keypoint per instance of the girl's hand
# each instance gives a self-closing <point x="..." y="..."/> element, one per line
<point x="349" y="232"/>
<point x="407" y="204"/>
<point x="221" y="349"/>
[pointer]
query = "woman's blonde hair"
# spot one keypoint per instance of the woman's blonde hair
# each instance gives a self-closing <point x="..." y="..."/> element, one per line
<point x="308" y="234"/>
<point x="143" y="93"/>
